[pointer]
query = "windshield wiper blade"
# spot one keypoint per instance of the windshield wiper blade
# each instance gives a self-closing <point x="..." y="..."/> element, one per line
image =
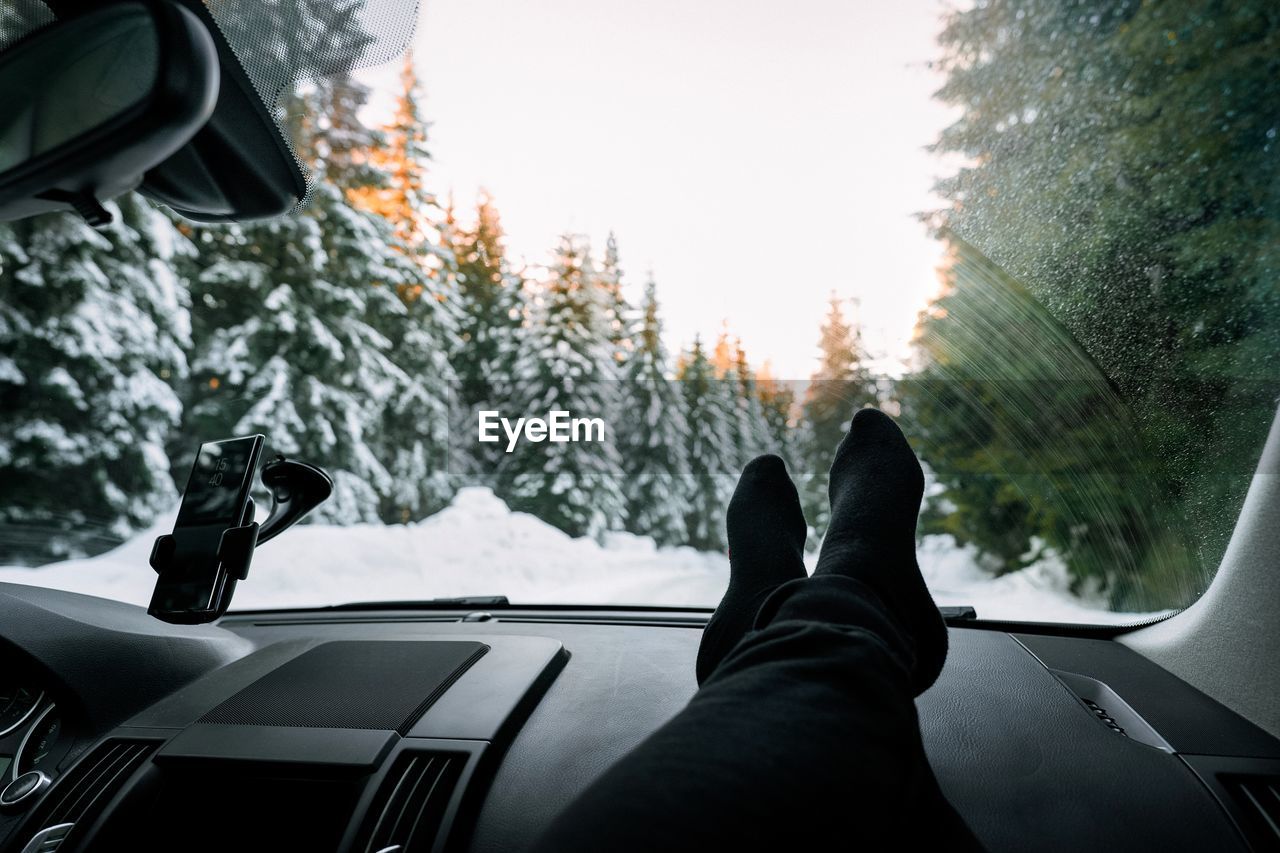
<point x="473" y="600"/>
<point x="962" y="612"/>
<point x="418" y="604"/>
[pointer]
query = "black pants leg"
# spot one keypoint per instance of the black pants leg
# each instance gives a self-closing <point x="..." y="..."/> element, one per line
<point x="804" y="737"/>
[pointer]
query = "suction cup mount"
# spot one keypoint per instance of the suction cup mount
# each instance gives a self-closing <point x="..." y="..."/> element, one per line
<point x="296" y="489"/>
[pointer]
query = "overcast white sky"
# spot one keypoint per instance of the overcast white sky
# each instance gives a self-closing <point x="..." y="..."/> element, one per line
<point x="755" y="155"/>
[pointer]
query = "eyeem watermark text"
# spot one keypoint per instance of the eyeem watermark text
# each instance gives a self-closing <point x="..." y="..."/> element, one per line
<point x="557" y="426"/>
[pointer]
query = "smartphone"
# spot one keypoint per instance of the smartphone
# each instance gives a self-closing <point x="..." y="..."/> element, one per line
<point x="216" y="498"/>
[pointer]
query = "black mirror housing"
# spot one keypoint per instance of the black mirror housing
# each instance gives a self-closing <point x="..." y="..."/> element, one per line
<point x="57" y="155"/>
<point x="239" y="167"/>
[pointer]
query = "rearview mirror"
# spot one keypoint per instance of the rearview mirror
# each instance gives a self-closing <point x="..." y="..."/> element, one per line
<point x="89" y="104"/>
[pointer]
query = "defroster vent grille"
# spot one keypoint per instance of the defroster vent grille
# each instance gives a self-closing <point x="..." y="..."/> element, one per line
<point x="410" y="809"/>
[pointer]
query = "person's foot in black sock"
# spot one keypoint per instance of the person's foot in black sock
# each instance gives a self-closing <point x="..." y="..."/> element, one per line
<point x="766" y="549"/>
<point x="875" y="487"/>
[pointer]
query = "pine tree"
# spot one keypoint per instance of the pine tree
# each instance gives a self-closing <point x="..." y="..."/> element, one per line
<point x="708" y="412"/>
<point x="394" y="187"/>
<point x="617" y="311"/>
<point x="839" y="387"/>
<point x="421" y="322"/>
<point x="323" y="120"/>
<point x="403" y="198"/>
<point x="412" y="437"/>
<point x="724" y="355"/>
<point x="347" y="329"/>
<point x="751" y="434"/>
<point x="414" y="306"/>
<point x="490" y="329"/>
<point x="414" y="441"/>
<point x="284" y="347"/>
<point x="1155" y="253"/>
<point x="653" y="436"/>
<point x="748" y="429"/>
<point x="777" y="400"/>
<point x="93" y="327"/>
<point x="567" y="365"/>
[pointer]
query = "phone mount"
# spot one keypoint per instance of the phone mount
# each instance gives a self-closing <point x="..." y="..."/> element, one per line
<point x="296" y="489"/>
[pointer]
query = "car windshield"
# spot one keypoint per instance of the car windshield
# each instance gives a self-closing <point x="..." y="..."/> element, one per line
<point x="568" y="264"/>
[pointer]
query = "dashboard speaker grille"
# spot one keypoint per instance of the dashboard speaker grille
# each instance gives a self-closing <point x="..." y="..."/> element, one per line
<point x="81" y="795"/>
<point x="411" y="807"/>
<point x="352" y="685"/>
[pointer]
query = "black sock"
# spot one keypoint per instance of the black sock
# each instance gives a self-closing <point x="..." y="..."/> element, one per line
<point x="876" y="486"/>
<point x="766" y="549"/>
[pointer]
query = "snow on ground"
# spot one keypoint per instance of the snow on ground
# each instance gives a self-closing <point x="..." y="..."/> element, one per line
<point x="477" y="546"/>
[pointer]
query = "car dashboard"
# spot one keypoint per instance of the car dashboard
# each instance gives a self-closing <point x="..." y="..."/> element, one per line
<point x="469" y="729"/>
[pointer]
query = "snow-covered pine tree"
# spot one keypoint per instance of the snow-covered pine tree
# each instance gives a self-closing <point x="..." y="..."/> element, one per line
<point x="384" y="211"/>
<point x="617" y="310"/>
<point x="777" y="400"/>
<point x="403" y="198"/>
<point x="709" y="415"/>
<point x="617" y="319"/>
<point x="653" y="436"/>
<point x="410" y="436"/>
<point x="567" y="365"/>
<point x="93" y="327"/>
<point x="413" y="437"/>
<point x="841" y="385"/>
<point x="750" y="430"/>
<point x="284" y="346"/>
<point x="288" y="329"/>
<point x="417" y="308"/>
<point x="491" y="312"/>
<point x="415" y="440"/>
<point x="328" y="133"/>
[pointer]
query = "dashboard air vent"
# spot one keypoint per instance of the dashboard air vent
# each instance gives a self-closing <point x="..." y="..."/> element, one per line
<point x="82" y="793"/>
<point x="1259" y="800"/>
<point x="413" y="803"/>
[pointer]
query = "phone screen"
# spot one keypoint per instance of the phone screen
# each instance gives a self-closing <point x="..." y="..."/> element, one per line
<point x="215" y="499"/>
<point x="219" y="483"/>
